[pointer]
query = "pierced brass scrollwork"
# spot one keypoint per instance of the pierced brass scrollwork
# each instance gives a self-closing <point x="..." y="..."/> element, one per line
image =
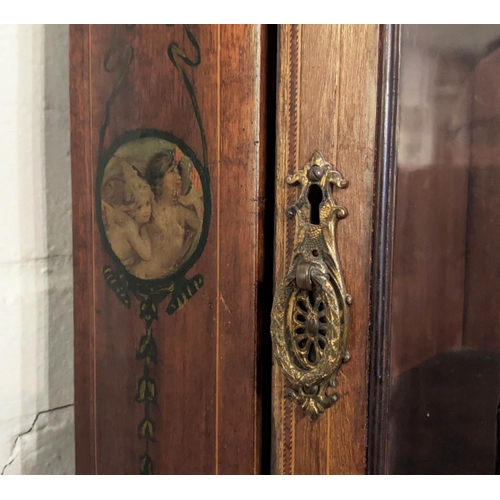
<point x="310" y="315"/>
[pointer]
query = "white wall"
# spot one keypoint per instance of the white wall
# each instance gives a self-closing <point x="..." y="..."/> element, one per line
<point x="36" y="301"/>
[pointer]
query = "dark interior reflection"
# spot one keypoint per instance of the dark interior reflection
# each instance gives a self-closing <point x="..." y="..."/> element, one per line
<point x="445" y="326"/>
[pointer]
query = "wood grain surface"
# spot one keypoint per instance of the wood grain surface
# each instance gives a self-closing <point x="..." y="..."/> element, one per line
<point x="327" y="100"/>
<point x="83" y="250"/>
<point x="207" y="419"/>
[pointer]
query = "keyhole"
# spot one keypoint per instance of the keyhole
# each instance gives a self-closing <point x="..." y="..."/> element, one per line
<point x="315" y="197"/>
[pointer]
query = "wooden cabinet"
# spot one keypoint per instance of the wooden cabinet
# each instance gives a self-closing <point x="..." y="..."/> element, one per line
<point x="183" y="138"/>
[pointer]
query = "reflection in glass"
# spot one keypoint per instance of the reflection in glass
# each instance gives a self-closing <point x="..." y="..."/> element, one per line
<point x="445" y="326"/>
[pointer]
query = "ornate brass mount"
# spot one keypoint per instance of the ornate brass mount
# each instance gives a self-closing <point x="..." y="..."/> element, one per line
<point x="310" y="315"/>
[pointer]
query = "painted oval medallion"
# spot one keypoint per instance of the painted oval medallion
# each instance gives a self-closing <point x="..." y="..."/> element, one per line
<point x="152" y="205"/>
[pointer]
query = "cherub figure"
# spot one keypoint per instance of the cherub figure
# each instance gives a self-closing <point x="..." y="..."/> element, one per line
<point x="177" y="215"/>
<point x="126" y="226"/>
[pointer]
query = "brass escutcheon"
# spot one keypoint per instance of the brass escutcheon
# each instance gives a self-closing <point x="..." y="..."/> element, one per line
<point x="310" y="314"/>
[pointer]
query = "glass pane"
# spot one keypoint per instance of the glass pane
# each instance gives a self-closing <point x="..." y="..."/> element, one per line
<point x="445" y="326"/>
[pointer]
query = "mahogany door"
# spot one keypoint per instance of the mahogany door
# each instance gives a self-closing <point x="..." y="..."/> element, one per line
<point x="168" y="147"/>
